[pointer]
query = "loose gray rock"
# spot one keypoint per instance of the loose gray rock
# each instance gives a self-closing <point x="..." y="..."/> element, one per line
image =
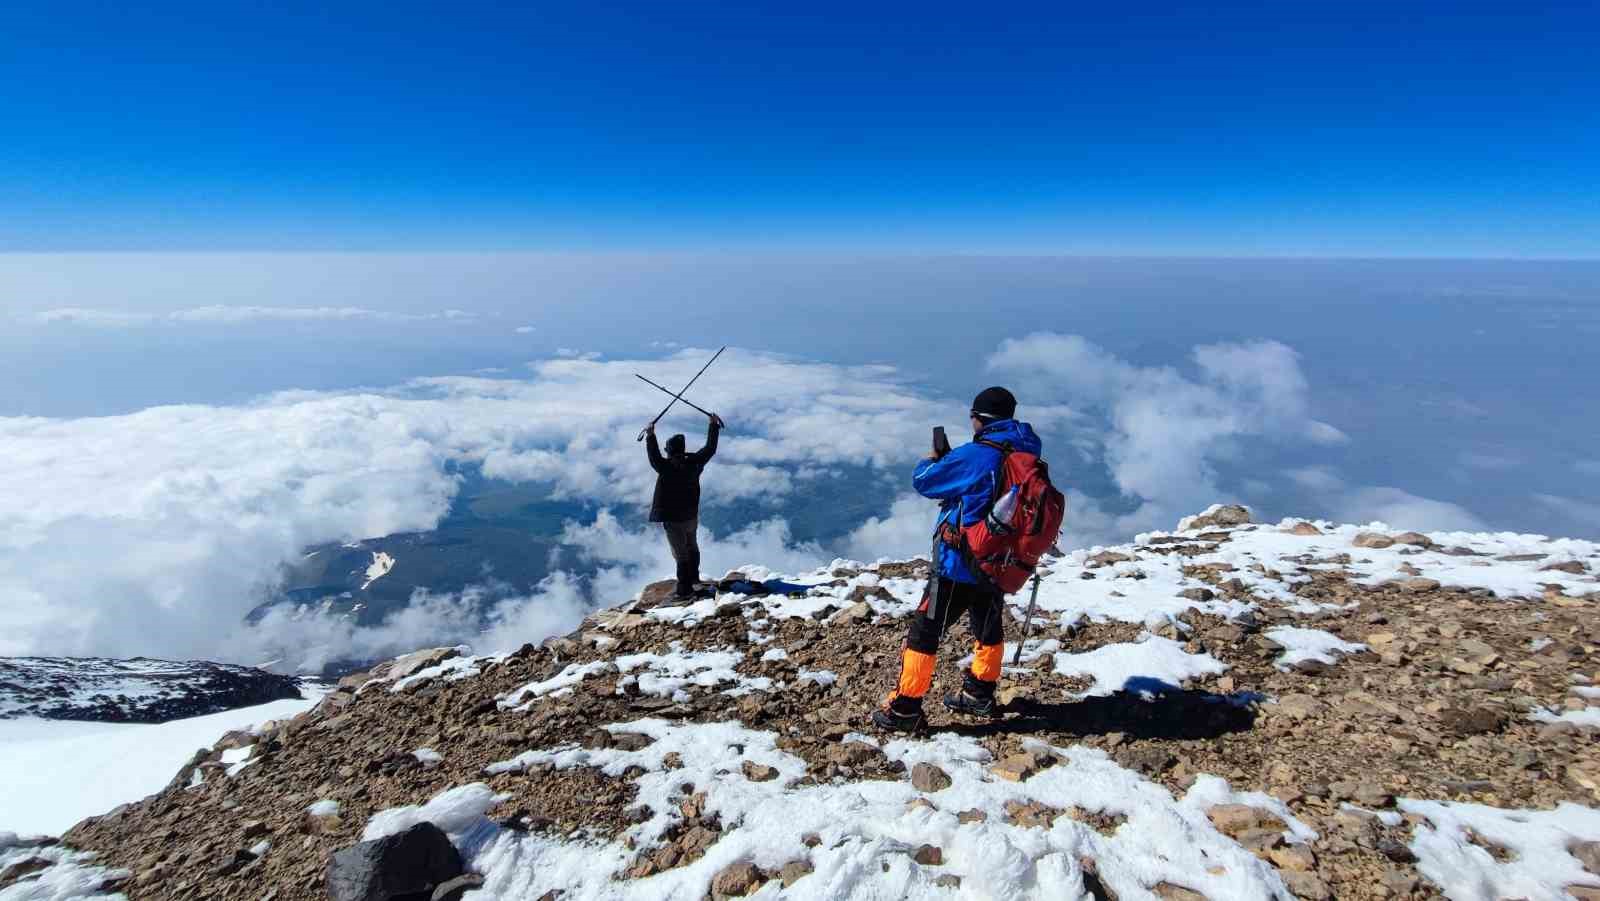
<point x="926" y="777"/>
<point x="413" y="862"/>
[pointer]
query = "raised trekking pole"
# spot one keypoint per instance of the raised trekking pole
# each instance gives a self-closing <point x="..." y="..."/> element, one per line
<point x="680" y="394"/>
<point x="669" y="391"/>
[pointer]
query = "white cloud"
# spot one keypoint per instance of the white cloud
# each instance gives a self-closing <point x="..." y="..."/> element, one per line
<point x="524" y="329"/>
<point x="905" y="531"/>
<point x="1482" y="460"/>
<point x="1585" y="513"/>
<point x="1377" y="503"/>
<point x="1164" y="430"/>
<point x="235" y="314"/>
<point x="306" y="639"/>
<point x="1403" y="509"/>
<point x="573" y="354"/>
<point x="155" y="532"/>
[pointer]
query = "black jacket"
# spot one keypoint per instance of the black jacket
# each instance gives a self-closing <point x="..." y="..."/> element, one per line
<point x="677" y="495"/>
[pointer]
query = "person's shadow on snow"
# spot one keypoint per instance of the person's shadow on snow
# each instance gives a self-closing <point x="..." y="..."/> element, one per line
<point x="1144" y="708"/>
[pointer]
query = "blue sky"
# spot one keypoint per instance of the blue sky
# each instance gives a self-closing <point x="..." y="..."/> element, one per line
<point x="1411" y="129"/>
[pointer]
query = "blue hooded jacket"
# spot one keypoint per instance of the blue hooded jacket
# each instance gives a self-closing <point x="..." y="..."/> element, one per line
<point x="965" y="480"/>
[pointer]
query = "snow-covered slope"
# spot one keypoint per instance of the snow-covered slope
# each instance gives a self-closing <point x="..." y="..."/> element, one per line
<point x="1233" y="710"/>
<point x="55" y="773"/>
<point x="140" y="690"/>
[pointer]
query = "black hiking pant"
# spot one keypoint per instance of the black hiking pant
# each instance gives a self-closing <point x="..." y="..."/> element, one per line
<point x="983" y="607"/>
<point x="685" y="544"/>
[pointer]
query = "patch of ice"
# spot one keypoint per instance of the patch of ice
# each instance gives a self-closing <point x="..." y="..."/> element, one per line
<point x="72" y="874"/>
<point x="1148" y="664"/>
<point x="453" y="670"/>
<point x="261" y="847"/>
<point x="458" y="811"/>
<point x="327" y="807"/>
<point x="774" y="654"/>
<point x="1540" y="865"/>
<point x="427" y="755"/>
<point x="568" y="677"/>
<point x="378" y="568"/>
<point x="236" y="759"/>
<point x="821" y="677"/>
<point x="1588" y="717"/>
<point x="1309" y="644"/>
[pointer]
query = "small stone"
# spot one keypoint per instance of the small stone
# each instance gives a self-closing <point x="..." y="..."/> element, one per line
<point x="1169" y="892"/>
<point x="794" y="871"/>
<point x="1472" y="721"/>
<point x="1225" y="685"/>
<point x="1395" y="850"/>
<point x="928" y="855"/>
<point x="1197" y="594"/>
<point x="455" y="888"/>
<point x="758" y="772"/>
<point x="735" y="880"/>
<point x="1379" y="639"/>
<point x="1233" y="819"/>
<point x="1584" y="892"/>
<point x="1573" y="567"/>
<point x="1418" y="583"/>
<point x="1399" y="883"/>
<point x="1414" y="539"/>
<point x="971" y="816"/>
<point x="1298" y="706"/>
<point x="1304" y="528"/>
<point x="947" y="880"/>
<point x="1306" y="885"/>
<point x="926" y="777"/>
<point x="1372" y="540"/>
<point x="1588" y="854"/>
<point x="1292" y="857"/>
<point x="1016" y="767"/>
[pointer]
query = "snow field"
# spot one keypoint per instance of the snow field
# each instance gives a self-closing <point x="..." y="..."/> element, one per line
<point x="868" y="829"/>
<point x="43" y="762"/>
<point x="1538" y="839"/>
<point x="664" y="675"/>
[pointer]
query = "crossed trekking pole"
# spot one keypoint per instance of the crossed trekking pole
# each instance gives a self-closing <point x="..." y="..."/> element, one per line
<point x="679" y="395"/>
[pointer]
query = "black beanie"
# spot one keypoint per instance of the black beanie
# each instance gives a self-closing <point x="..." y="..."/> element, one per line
<point x="994" y="403"/>
<point x="675" y="445"/>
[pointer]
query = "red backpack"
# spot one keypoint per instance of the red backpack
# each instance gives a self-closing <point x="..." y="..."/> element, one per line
<point x="1022" y="523"/>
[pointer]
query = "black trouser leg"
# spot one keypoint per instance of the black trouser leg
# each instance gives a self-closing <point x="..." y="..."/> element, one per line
<point x="988" y="646"/>
<point x="682" y="538"/>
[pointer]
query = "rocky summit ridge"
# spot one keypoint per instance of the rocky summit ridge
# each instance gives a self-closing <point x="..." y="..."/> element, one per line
<point x="1228" y="710"/>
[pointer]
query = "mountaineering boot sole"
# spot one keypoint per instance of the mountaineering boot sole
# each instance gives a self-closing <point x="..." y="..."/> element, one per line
<point x="889" y="721"/>
<point x="971" y="705"/>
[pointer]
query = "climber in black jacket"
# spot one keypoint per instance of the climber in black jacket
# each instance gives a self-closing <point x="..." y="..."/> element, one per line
<point x="676" y="504"/>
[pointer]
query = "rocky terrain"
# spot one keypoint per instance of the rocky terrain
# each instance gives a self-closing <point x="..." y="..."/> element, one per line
<point x="140" y="690"/>
<point x="1229" y="710"/>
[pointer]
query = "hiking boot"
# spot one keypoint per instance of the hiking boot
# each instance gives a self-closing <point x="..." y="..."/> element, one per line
<point x="899" y="715"/>
<point x="976" y="698"/>
<point x="971" y="705"/>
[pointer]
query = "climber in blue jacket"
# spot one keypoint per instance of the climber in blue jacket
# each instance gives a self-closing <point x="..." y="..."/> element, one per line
<point x="964" y="479"/>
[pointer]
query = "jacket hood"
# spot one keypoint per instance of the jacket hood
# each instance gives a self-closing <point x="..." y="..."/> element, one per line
<point x="1019" y="434"/>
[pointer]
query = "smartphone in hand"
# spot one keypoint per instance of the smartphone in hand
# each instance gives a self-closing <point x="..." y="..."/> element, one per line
<point x="941" y="444"/>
